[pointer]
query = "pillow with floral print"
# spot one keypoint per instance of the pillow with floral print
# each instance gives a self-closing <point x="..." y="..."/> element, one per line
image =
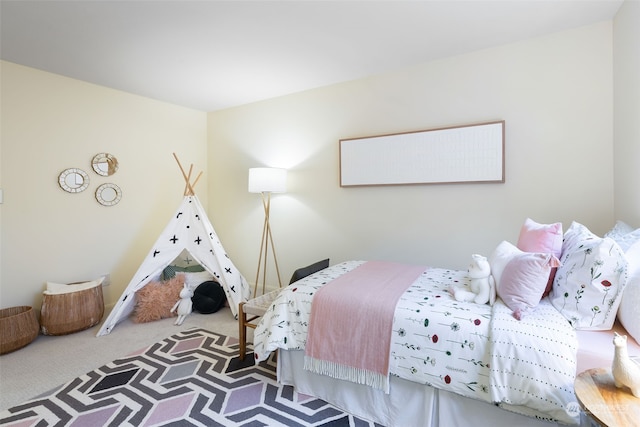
<point x="624" y="234"/>
<point x="589" y="282"/>
<point x="629" y="310"/>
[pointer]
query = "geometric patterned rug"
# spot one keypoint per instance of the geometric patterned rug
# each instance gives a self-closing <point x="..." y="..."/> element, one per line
<point x="193" y="378"/>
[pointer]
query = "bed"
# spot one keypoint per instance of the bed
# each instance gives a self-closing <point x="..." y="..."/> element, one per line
<point x="451" y="362"/>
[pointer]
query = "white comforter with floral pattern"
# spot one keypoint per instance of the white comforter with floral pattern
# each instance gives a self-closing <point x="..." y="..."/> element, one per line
<point x="473" y="350"/>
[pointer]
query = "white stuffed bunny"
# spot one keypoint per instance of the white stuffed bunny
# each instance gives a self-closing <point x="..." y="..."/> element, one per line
<point x="482" y="287"/>
<point x="184" y="305"/>
<point x="625" y="371"/>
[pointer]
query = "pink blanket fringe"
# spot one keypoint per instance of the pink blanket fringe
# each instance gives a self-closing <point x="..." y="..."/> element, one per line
<point x="351" y="322"/>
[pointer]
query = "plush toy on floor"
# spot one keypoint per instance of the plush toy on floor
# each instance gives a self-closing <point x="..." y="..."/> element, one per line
<point x="184" y="306"/>
<point x="482" y="287"/>
<point x="625" y="371"/>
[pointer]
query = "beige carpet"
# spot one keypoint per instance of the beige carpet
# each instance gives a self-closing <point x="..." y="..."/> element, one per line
<point x="50" y="361"/>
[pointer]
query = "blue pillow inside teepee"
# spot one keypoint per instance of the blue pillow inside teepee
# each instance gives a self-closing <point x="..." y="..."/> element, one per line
<point x="170" y="271"/>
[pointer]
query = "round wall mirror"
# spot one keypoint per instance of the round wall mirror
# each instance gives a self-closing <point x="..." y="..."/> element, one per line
<point x="108" y="194"/>
<point x="73" y="180"/>
<point x="104" y="164"/>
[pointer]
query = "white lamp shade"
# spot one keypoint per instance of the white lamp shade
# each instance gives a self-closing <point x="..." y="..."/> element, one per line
<point x="267" y="180"/>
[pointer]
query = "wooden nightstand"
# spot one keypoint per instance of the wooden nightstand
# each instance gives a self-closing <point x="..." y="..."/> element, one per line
<point x="603" y="401"/>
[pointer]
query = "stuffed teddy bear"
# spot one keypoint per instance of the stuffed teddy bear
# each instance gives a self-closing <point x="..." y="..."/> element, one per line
<point x="184" y="305"/>
<point x="482" y="286"/>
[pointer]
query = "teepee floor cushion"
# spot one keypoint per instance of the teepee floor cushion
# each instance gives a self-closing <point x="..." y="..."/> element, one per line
<point x="155" y="301"/>
<point x="209" y="297"/>
<point x="18" y="327"/>
<point x="63" y="314"/>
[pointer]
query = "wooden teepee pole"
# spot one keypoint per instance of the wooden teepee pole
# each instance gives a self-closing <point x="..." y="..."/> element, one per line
<point x="196" y="181"/>
<point x="188" y="191"/>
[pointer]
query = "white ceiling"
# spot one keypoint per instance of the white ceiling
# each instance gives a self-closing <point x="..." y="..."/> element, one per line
<point x="209" y="55"/>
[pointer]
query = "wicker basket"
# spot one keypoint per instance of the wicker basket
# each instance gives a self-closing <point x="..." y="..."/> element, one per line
<point x="18" y="327"/>
<point x="63" y="314"/>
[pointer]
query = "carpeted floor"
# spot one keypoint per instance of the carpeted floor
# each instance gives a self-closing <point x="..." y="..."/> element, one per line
<point x="193" y="378"/>
<point x="53" y="360"/>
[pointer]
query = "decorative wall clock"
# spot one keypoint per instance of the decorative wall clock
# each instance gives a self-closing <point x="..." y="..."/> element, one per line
<point x="73" y="180"/>
<point x="108" y="194"/>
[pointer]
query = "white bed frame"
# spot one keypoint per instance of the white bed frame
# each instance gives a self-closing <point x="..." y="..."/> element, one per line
<point x="411" y="404"/>
<point x="408" y="404"/>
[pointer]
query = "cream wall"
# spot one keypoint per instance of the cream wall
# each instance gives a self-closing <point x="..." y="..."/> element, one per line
<point x="50" y="123"/>
<point x="555" y="93"/>
<point x="626" y="112"/>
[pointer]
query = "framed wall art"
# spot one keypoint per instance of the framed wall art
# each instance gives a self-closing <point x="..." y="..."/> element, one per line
<point x="457" y="154"/>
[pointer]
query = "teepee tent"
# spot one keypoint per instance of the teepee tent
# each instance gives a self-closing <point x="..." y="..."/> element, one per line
<point x="189" y="230"/>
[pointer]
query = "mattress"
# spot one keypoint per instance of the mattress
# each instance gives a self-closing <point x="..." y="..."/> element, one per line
<point x="595" y="348"/>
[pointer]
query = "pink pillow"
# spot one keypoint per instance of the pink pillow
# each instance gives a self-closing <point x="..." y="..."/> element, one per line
<point x="542" y="238"/>
<point x="524" y="280"/>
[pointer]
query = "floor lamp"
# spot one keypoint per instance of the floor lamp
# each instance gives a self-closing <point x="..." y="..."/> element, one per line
<point x="266" y="181"/>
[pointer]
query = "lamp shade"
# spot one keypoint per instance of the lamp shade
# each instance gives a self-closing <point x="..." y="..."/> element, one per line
<point x="267" y="180"/>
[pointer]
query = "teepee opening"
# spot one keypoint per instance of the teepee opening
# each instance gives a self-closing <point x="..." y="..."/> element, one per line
<point x="189" y="232"/>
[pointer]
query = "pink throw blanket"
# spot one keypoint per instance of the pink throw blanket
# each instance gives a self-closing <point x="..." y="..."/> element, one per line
<point x="351" y="322"/>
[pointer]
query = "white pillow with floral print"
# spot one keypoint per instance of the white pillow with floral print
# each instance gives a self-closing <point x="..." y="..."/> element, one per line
<point x="629" y="310"/>
<point x="624" y="234"/>
<point x="589" y="282"/>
